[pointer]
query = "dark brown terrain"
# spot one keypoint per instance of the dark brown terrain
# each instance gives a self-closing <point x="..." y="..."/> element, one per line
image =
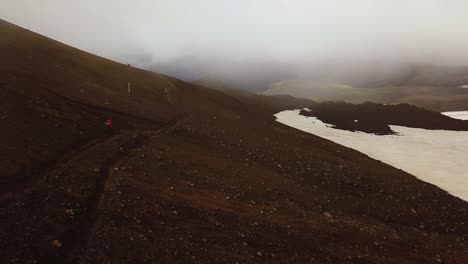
<point x="376" y="118"/>
<point x="190" y="175"/>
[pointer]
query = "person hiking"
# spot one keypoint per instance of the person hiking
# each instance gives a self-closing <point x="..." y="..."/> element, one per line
<point x="110" y="130"/>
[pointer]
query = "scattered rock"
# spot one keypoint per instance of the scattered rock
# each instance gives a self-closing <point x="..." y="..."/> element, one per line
<point x="56" y="243"/>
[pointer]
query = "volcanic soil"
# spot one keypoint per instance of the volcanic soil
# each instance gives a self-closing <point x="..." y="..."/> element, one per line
<point x="376" y="118"/>
<point x="190" y="175"/>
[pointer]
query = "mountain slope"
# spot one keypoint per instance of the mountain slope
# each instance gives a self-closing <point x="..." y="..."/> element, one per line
<point x="436" y="98"/>
<point x="375" y="118"/>
<point x="190" y="175"/>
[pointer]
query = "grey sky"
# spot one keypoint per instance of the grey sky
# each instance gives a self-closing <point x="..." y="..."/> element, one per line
<point x="285" y="30"/>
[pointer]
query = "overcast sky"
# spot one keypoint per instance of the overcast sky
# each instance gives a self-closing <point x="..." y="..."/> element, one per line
<point x="410" y="30"/>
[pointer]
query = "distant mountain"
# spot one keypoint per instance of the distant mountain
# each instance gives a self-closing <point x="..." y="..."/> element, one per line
<point x="429" y="86"/>
<point x="244" y="75"/>
<point x="439" y="76"/>
<point x="213" y="83"/>
<point x="432" y="87"/>
<point x="376" y="118"/>
<point x="258" y="75"/>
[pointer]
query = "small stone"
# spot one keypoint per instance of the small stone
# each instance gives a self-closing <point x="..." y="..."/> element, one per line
<point x="327" y="214"/>
<point x="56" y="243"/>
<point x="259" y="253"/>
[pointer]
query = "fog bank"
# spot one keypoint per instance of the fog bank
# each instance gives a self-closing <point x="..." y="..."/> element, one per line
<point x="160" y="33"/>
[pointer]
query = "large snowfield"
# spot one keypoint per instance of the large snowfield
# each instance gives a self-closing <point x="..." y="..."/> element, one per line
<point x="439" y="157"/>
<point x="463" y="115"/>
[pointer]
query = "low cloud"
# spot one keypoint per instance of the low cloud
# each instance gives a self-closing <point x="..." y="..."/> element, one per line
<point x="155" y="32"/>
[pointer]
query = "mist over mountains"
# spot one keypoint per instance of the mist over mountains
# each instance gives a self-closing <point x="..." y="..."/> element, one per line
<point x="250" y="44"/>
<point x="259" y="76"/>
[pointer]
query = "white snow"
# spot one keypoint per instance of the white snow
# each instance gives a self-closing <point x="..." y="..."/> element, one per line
<point x="462" y="115"/>
<point x="439" y="157"/>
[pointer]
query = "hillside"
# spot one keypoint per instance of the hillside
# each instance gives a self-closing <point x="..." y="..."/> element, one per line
<point x="190" y="175"/>
<point x="439" y="76"/>
<point x="375" y="118"/>
<point x="428" y="97"/>
<point x="258" y="74"/>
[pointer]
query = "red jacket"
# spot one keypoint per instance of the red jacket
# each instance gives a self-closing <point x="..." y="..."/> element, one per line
<point x="109" y="123"/>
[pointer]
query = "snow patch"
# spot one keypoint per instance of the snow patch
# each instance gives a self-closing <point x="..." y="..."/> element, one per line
<point x="435" y="156"/>
<point x="462" y="115"/>
<point x="463" y="86"/>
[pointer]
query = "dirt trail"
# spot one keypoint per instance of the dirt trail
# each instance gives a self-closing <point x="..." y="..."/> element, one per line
<point x="75" y="239"/>
<point x="21" y="186"/>
<point x="77" y="235"/>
